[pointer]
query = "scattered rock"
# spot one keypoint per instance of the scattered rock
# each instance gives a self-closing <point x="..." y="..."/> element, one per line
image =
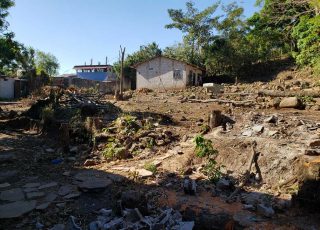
<point x="94" y="184"/>
<point x="247" y="133"/>
<point x="4" y="185"/>
<point x="50" y="197"/>
<point x="7" y="157"/>
<point x="258" y="128"/>
<point x="58" y="227"/>
<point x="223" y="184"/>
<point x="131" y="199"/>
<point x="143" y="173"/>
<point x="90" y="162"/>
<point x="31" y="185"/>
<point x="15" y="194"/>
<point x="265" y="211"/>
<point x="16" y="209"/>
<point x="271" y="119"/>
<point x="189" y="186"/>
<point x="65" y="189"/>
<point x="49" y="185"/>
<point x="43" y="206"/>
<point x="9" y="176"/>
<point x="314" y="143"/>
<point x="290" y="102"/>
<point x="244" y="219"/>
<point x="33" y="195"/>
<point x="31" y="190"/>
<point x="72" y="195"/>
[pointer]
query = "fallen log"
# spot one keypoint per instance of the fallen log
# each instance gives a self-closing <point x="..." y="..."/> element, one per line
<point x="273" y="93"/>
<point x="239" y="103"/>
<point x="246" y="174"/>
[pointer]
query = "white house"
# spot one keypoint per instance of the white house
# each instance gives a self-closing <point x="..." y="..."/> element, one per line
<point x="167" y="73"/>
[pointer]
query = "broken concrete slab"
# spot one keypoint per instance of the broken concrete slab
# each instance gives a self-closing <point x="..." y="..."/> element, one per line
<point x="15" y="194"/>
<point x="72" y="195"/>
<point x="65" y="189"/>
<point x="290" y="102"/>
<point x="50" y="197"/>
<point x="16" y="209"/>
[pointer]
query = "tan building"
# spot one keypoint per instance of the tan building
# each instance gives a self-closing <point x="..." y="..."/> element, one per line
<point x="167" y="73"/>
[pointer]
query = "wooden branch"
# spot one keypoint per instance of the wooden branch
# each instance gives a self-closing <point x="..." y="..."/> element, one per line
<point x="273" y="93"/>
<point x="223" y="101"/>
<point x="246" y="174"/>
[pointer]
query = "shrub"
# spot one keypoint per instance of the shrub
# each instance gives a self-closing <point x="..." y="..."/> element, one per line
<point x="204" y="149"/>
<point x="151" y="167"/>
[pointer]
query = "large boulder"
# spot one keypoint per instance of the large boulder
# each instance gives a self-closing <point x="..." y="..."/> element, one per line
<point x="290" y="102"/>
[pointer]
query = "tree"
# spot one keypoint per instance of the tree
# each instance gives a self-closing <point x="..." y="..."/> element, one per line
<point x="4" y="6"/>
<point x="196" y="26"/>
<point x="47" y="63"/>
<point x="144" y="53"/>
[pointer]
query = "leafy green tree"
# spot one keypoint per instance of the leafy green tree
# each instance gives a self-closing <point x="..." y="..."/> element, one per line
<point x="47" y="63"/>
<point x="4" y="6"/>
<point x="195" y="25"/>
<point x="307" y="35"/>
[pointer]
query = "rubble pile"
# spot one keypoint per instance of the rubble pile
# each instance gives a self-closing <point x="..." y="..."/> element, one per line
<point x="133" y="219"/>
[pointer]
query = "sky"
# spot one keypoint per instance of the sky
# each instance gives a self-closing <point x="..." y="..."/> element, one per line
<point x="77" y="30"/>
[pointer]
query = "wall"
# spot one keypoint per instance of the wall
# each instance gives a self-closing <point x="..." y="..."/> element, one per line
<point x="7" y="88"/>
<point x="158" y="74"/>
<point x="97" y="76"/>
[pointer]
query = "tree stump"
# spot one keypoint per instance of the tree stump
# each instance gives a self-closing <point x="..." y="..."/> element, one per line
<point x="64" y="136"/>
<point x="215" y="119"/>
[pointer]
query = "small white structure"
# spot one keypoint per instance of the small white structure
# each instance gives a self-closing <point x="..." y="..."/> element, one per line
<point x="213" y="88"/>
<point x="167" y="73"/>
<point x="7" y="87"/>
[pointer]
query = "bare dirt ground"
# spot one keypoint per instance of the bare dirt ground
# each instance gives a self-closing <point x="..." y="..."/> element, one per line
<point x="43" y="185"/>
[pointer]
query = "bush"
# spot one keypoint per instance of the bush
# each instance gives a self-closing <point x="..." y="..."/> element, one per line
<point x="204" y="149"/>
<point x="151" y="167"/>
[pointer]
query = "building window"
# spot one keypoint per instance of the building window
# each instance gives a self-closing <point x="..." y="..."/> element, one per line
<point x="177" y="74"/>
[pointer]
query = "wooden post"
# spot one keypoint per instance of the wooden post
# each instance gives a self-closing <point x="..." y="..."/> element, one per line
<point x="215" y="119"/>
<point x="122" y="52"/>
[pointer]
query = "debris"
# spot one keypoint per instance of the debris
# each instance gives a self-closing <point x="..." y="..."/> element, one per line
<point x="95" y="184"/>
<point x="32" y="195"/>
<point x="143" y="173"/>
<point x="49" y="185"/>
<point x="7" y="157"/>
<point x="189" y="186"/>
<point x="31" y="185"/>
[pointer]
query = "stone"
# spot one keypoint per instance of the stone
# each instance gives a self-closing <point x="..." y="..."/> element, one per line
<point x="16" y="209"/>
<point x="65" y="189"/>
<point x="74" y="149"/>
<point x="50" y="197"/>
<point x="72" y="195"/>
<point x="58" y="227"/>
<point x="290" y="102"/>
<point x="189" y="186"/>
<point x="312" y="152"/>
<point x="50" y="150"/>
<point x="244" y="219"/>
<point x="49" y="185"/>
<point x="131" y="199"/>
<point x="43" y="206"/>
<point x="271" y="119"/>
<point x="186" y="225"/>
<point x="31" y="190"/>
<point x="61" y="205"/>
<point x="7" y="157"/>
<point x="67" y="173"/>
<point x="15" y="194"/>
<point x="272" y="133"/>
<point x="94" y="184"/>
<point x="90" y="162"/>
<point x="223" y="184"/>
<point x="143" y="173"/>
<point x="31" y="185"/>
<point x="265" y="211"/>
<point x="4" y="185"/>
<point x="9" y="176"/>
<point x="114" y="224"/>
<point x="314" y="143"/>
<point x="33" y="195"/>
<point x="247" y="133"/>
<point x="258" y="128"/>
